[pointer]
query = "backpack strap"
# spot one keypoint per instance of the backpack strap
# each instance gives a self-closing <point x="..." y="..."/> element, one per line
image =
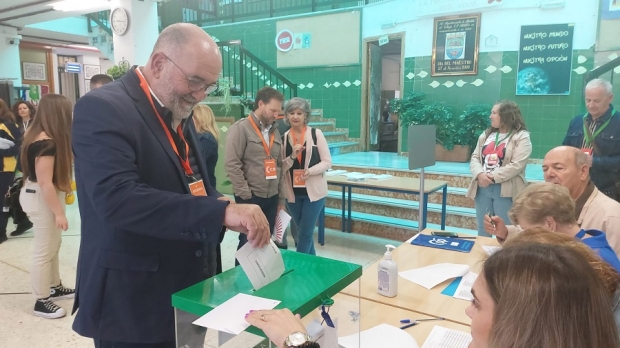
<point x="313" y="131"/>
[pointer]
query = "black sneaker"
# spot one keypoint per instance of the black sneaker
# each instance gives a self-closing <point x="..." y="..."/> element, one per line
<point x="21" y="229"/>
<point x="45" y="308"/>
<point x="60" y="293"/>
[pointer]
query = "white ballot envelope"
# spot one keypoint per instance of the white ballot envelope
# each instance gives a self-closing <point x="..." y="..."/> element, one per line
<point x="282" y="221"/>
<point x="262" y="266"/>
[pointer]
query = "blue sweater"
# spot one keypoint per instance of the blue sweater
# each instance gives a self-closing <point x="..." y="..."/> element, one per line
<point x="598" y="242"/>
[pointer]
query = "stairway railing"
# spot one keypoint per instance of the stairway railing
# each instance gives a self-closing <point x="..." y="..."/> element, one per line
<point x="101" y="19"/>
<point x="249" y="73"/>
<point x="601" y="72"/>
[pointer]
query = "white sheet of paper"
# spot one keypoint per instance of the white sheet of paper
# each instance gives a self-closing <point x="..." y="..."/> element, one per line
<point x="328" y="336"/>
<point x="383" y="335"/>
<point x="490" y="250"/>
<point x="229" y="317"/>
<point x="380" y="177"/>
<point x="262" y="266"/>
<point x="441" y="337"/>
<point x="335" y="172"/>
<point x="431" y="276"/>
<point x="282" y="220"/>
<point x="463" y="291"/>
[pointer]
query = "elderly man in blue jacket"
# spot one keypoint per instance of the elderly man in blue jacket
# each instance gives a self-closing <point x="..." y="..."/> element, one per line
<point x="597" y="133"/>
<point x="145" y="200"/>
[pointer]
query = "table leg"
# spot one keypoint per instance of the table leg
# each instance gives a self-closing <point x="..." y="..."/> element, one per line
<point x="350" y="227"/>
<point x="322" y="226"/>
<point x="343" y="207"/>
<point x="424" y="211"/>
<point x="444" y="201"/>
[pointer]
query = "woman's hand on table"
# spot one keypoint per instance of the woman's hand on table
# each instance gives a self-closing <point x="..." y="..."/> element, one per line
<point x="277" y="324"/>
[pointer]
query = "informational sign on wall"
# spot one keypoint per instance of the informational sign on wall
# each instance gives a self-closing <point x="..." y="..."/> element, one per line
<point x="545" y="59"/>
<point x="456" y="42"/>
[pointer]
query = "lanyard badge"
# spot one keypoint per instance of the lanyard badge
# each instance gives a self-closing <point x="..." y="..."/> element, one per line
<point x="269" y="163"/>
<point x="197" y="188"/>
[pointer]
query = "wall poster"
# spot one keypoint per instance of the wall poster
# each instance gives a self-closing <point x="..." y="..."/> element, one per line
<point x="456" y="41"/>
<point x="545" y="59"/>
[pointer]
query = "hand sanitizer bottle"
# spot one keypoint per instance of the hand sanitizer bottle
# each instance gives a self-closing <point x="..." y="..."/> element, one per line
<point x="388" y="274"/>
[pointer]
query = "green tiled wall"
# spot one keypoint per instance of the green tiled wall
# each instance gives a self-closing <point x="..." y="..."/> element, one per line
<point x="546" y="117"/>
<point x="341" y="103"/>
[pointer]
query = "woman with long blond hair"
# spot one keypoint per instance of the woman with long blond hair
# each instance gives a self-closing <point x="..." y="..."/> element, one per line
<point x="209" y="136"/>
<point x="10" y="137"/>
<point x="47" y="163"/>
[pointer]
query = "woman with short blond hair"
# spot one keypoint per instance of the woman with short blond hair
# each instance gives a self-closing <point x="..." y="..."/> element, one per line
<point x="551" y="207"/>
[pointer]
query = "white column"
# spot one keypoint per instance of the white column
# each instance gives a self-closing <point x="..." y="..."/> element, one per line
<point x="136" y="44"/>
<point x="10" y="68"/>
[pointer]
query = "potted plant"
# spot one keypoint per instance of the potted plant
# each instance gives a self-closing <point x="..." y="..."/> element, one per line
<point x="117" y="71"/>
<point x="456" y="135"/>
<point x="472" y="122"/>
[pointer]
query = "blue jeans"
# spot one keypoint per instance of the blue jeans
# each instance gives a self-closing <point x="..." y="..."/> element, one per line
<point x="489" y="198"/>
<point x="305" y="214"/>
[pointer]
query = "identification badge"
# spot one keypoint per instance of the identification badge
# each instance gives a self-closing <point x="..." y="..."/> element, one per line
<point x="297" y="178"/>
<point x="197" y="188"/>
<point x="587" y="151"/>
<point x="270" y="169"/>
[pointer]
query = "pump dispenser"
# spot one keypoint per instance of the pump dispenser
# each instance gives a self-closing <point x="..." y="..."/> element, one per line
<point x="388" y="274"/>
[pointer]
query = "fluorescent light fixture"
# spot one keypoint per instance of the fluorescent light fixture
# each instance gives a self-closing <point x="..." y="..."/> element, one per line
<point x="80" y="5"/>
<point x="552" y="4"/>
<point x="388" y="25"/>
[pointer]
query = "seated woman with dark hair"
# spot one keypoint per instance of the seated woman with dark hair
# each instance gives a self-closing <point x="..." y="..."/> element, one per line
<point x="526" y="296"/>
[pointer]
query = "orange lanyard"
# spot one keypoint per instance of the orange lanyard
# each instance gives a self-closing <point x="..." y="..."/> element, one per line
<point x="295" y="142"/>
<point x="260" y="135"/>
<point x="184" y="162"/>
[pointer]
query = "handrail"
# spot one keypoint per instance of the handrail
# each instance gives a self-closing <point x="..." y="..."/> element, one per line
<point x="245" y="72"/>
<point x="98" y="20"/>
<point x="602" y="70"/>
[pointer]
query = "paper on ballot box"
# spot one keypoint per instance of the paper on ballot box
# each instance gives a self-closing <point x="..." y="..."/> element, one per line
<point x="261" y="265"/>
<point x="431" y="276"/>
<point x="282" y="221"/>
<point x="229" y="317"/>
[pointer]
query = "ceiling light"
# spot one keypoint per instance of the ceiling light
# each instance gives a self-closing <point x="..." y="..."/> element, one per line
<point x="80" y="5"/>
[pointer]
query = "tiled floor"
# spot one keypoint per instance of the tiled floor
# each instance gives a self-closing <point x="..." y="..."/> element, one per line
<point x="391" y="160"/>
<point x="19" y="328"/>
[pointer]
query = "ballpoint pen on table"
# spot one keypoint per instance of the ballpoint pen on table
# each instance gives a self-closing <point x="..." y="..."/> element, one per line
<point x="417" y="321"/>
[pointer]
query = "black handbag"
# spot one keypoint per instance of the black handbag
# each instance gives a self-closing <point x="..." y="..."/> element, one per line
<point x="315" y="157"/>
<point x="11" y="199"/>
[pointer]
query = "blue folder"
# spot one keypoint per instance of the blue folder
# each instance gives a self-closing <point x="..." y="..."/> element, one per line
<point x="454" y="244"/>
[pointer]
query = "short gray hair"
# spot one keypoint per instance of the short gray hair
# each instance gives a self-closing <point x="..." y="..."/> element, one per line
<point x="581" y="158"/>
<point x="600" y="83"/>
<point x="298" y="103"/>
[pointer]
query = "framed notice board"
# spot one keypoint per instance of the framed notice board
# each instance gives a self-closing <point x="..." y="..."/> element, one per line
<point x="545" y="59"/>
<point x="456" y="41"/>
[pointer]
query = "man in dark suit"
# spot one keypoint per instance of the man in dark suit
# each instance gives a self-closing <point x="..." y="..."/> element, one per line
<point x="145" y="200"/>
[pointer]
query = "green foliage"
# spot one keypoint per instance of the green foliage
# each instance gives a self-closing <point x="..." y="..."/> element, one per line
<point x="452" y="130"/>
<point x="473" y="120"/>
<point x="117" y="71"/>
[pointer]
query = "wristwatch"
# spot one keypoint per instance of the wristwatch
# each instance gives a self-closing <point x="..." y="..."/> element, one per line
<point x="297" y="340"/>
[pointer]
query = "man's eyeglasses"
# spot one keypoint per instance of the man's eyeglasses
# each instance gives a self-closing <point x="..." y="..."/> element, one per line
<point x="195" y="85"/>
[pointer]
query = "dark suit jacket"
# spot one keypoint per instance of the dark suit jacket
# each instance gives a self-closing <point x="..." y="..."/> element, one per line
<point x="143" y="233"/>
<point x="209" y="147"/>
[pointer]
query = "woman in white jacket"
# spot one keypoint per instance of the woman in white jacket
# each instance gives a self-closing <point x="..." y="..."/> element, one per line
<point x="306" y="159"/>
<point x="498" y="163"/>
